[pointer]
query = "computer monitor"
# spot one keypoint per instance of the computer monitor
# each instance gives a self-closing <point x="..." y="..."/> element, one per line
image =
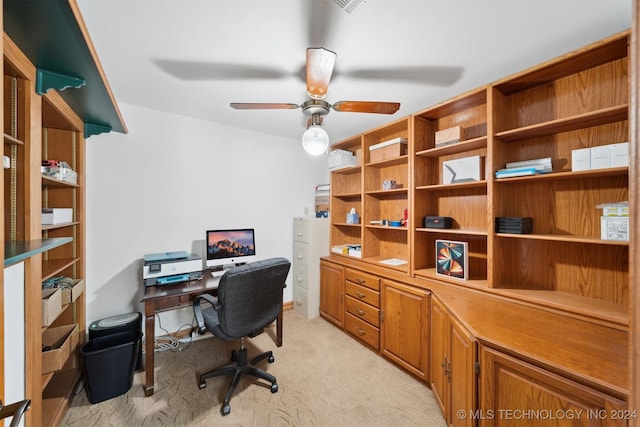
<point x="226" y="248"/>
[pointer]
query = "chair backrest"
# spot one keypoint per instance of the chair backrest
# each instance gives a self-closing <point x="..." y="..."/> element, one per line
<point x="250" y="296"/>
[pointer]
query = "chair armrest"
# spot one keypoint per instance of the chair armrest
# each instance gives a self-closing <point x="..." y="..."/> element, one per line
<point x="15" y="410"/>
<point x="197" y="309"/>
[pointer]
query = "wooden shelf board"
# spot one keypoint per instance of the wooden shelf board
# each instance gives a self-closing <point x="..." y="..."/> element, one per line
<point x="387" y="227"/>
<point x="376" y="260"/>
<point x="456" y="186"/>
<point x="8" y="139"/>
<point x="55" y="398"/>
<point x="48" y="181"/>
<point x="348" y="196"/>
<point x="565" y="238"/>
<point x="383" y="193"/>
<point x="348" y="170"/>
<point x="453" y="231"/>
<point x="565" y="302"/>
<point x="463" y="102"/>
<point x="51" y="267"/>
<point x="390" y="162"/>
<point x="344" y="224"/>
<point x="580" y="121"/>
<point x="61" y="225"/>
<point x="468" y="145"/>
<point x="556" y="176"/>
<point x="430" y="273"/>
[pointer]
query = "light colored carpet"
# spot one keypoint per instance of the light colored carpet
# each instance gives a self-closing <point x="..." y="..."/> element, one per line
<point x="325" y="378"/>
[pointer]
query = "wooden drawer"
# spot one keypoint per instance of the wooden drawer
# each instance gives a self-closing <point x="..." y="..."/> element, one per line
<point x="363" y="331"/>
<point x="363" y="311"/>
<point x="363" y="279"/>
<point x="363" y="294"/>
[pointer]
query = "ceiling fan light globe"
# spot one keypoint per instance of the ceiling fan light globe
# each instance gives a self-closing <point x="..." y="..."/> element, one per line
<point x="315" y="140"/>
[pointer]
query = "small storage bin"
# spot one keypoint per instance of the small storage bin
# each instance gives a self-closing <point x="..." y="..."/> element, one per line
<point x="109" y="363"/>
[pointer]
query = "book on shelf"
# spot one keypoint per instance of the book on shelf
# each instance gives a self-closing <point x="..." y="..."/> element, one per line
<point x="524" y="171"/>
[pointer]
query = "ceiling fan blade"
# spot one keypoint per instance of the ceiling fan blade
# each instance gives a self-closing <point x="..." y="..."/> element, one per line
<point x="263" y="106"/>
<point x="366" y="107"/>
<point x="194" y="70"/>
<point x="443" y="76"/>
<point x="320" y="63"/>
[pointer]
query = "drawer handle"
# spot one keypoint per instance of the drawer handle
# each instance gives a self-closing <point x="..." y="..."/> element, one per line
<point x="360" y="311"/>
<point x="299" y="256"/>
<point x="360" y="281"/>
<point x="299" y="234"/>
<point x="299" y="279"/>
<point x="360" y="331"/>
<point x="360" y="294"/>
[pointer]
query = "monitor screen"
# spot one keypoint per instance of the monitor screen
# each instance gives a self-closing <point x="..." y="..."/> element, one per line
<point x="230" y="247"/>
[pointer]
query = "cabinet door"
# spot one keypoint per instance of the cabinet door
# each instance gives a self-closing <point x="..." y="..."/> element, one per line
<point x="462" y="375"/>
<point x="405" y="327"/>
<point x="512" y="389"/>
<point x="439" y="354"/>
<point x="332" y="293"/>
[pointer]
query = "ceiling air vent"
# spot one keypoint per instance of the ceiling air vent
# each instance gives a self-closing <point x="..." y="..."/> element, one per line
<point x="347" y="5"/>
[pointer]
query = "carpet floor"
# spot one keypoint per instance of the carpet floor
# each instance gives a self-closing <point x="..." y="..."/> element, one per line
<point x="325" y="378"/>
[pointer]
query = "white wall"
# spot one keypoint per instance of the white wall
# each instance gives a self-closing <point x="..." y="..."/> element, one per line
<point x="162" y="185"/>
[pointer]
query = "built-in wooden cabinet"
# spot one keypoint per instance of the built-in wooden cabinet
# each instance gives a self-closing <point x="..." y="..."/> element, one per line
<point x="454" y="366"/>
<point x="514" y="393"/>
<point x="362" y="307"/>
<point x="563" y="270"/>
<point x="332" y="292"/>
<point x="404" y="327"/>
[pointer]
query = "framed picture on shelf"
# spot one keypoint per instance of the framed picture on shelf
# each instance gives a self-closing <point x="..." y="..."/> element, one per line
<point x="452" y="259"/>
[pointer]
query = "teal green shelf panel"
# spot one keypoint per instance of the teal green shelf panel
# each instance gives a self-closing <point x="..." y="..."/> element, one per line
<point x="91" y="129"/>
<point x="14" y="252"/>
<point x="50" y="35"/>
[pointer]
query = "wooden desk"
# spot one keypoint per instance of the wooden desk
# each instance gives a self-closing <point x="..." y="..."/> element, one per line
<point x="170" y="297"/>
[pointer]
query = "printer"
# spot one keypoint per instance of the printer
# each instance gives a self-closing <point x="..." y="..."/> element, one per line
<point x="167" y="268"/>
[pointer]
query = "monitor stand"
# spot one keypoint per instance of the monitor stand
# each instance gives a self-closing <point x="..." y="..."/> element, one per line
<point x="219" y="271"/>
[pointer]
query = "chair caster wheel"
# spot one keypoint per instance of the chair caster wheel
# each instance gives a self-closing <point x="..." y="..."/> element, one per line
<point x="225" y="410"/>
<point x="271" y="359"/>
<point x="274" y="388"/>
<point x="234" y="356"/>
<point x="202" y="384"/>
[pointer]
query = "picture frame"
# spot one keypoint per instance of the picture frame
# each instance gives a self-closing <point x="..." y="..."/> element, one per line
<point x="452" y="259"/>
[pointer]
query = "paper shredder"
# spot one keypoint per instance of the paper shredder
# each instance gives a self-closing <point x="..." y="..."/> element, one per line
<point x="116" y="324"/>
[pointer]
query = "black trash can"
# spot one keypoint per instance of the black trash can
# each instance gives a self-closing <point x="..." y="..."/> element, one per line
<point x="109" y="364"/>
<point x="119" y="323"/>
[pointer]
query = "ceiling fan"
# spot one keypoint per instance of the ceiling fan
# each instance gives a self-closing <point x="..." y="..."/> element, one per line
<point x="319" y="67"/>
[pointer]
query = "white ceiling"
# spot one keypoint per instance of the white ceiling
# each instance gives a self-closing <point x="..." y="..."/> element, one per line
<point x="185" y="56"/>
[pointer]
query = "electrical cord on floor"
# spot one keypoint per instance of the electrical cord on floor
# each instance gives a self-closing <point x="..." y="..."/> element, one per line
<point x="169" y="342"/>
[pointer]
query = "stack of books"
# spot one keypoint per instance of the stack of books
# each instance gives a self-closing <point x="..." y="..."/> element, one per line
<point x="526" y="167"/>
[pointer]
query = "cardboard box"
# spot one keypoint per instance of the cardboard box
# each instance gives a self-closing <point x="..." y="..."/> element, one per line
<point x="52" y="216"/>
<point x="62" y="341"/>
<point x="340" y="159"/>
<point x="581" y="159"/>
<point x="449" y="136"/>
<point x="51" y="305"/>
<point x="614" y="228"/>
<point x="388" y="149"/>
<point x="69" y="295"/>
<point x="464" y="169"/>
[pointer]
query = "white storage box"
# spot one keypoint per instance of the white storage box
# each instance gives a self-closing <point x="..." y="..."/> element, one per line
<point x="620" y="155"/>
<point x="340" y="159"/>
<point x="581" y="159"/>
<point x="52" y="216"/>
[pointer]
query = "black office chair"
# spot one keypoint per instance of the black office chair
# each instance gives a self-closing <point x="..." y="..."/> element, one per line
<point x="15" y="410"/>
<point x="249" y="299"/>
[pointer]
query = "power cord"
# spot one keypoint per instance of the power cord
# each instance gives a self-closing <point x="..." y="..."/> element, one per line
<point x="170" y="342"/>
